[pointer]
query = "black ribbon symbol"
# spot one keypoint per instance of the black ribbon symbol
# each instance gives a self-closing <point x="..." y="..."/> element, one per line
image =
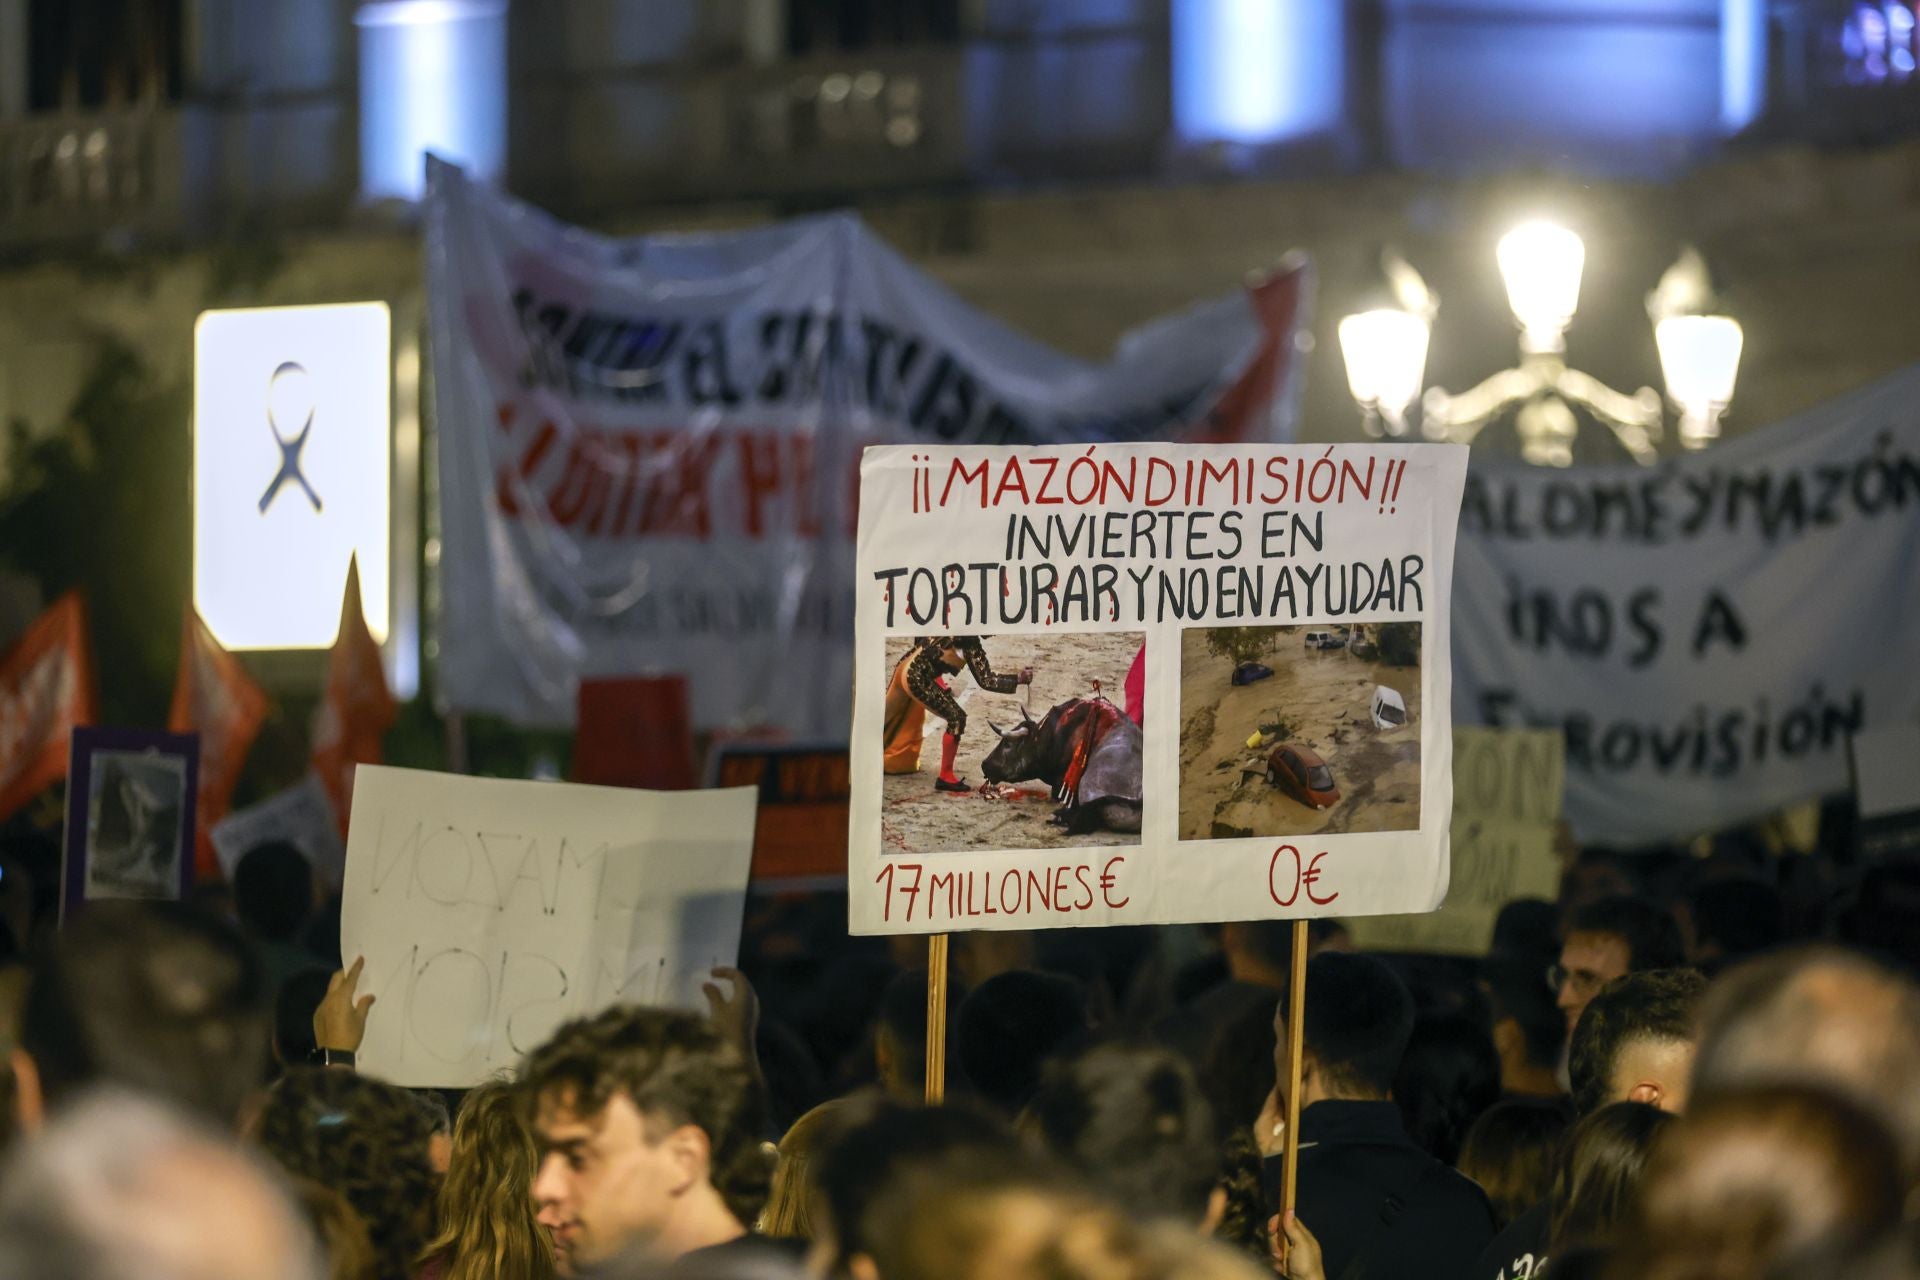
<point x="289" y="449"/>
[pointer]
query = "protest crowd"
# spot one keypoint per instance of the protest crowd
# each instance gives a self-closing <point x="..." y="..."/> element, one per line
<point x="1698" y="1067"/>
<point x="946" y="667"/>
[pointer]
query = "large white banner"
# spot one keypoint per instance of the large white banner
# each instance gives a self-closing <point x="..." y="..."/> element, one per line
<point x="649" y="448"/>
<point x="1135" y="684"/>
<point x="1708" y="632"/>
<point x="489" y="910"/>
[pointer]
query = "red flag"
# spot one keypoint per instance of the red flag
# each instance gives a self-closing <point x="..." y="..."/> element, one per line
<point x="46" y="690"/>
<point x="1273" y="372"/>
<point x="356" y="709"/>
<point x="214" y="696"/>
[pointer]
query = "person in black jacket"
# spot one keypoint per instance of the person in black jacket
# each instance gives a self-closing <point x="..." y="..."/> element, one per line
<point x="1380" y="1206"/>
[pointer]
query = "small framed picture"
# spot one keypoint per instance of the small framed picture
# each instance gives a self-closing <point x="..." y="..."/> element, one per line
<point x="130" y="812"/>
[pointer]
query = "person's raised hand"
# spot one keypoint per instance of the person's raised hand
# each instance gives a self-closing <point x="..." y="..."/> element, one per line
<point x="1270" y="1127"/>
<point x="735" y="1016"/>
<point x="341" y="1020"/>
<point x="1026" y="675"/>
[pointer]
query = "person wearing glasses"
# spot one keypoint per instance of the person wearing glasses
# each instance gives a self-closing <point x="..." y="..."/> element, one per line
<point x="1609" y="939"/>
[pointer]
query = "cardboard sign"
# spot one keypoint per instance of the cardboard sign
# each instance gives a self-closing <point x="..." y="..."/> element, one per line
<point x="301" y="815"/>
<point x="802" y="833"/>
<point x="490" y="911"/>
<point x="1290" y="608"/>
<point x="1507" y="790"/>
<point x="1886" y="774"/>
<point x="130" y="799"/>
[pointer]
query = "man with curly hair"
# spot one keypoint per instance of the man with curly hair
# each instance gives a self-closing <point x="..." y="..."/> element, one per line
<point x="649" y="1124"/>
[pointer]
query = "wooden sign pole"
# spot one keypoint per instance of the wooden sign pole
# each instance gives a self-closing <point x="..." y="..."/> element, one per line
<point x="936" y="1019"/>
<point x="1296" y="1040"/>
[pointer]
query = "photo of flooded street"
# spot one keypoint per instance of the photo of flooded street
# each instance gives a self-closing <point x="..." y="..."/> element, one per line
<point x="1297" y="730"/>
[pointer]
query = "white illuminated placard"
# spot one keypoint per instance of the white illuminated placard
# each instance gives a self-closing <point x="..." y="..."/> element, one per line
<point x="292" y="431"/>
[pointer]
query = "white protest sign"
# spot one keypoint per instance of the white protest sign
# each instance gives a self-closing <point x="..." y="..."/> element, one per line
<point x="1507" y="788"/>
<point x="1291" y="754"/>
<point x="490" y="911"/>
<point x="302" y="815"/>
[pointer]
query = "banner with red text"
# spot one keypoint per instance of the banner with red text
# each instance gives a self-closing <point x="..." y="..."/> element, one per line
<point x="46" y="692"/>
<point x="1293" y="754"/>
<point x="649" y="447"/>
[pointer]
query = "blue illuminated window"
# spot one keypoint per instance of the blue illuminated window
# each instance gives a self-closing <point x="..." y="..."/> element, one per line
<point x="433" y="77"/>
<point x="1257" y="71"/>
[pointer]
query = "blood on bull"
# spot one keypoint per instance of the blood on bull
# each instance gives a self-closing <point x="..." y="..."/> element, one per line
<point x="1087" y="751"/>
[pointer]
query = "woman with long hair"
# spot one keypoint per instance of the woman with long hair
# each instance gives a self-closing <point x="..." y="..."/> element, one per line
<point x="1599" y="1174"/>
<point x="487" y="1229"/>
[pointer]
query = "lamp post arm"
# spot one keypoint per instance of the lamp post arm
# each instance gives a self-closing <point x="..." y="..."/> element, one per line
<point x="1460" y="417"/>
<point x="1634" y="419"/>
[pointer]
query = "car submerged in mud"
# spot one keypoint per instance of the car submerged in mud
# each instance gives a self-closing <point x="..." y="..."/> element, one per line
<point x="1302" y="774"/>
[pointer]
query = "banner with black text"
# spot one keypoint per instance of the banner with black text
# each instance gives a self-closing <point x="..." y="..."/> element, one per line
<point x="1708" y="633"/>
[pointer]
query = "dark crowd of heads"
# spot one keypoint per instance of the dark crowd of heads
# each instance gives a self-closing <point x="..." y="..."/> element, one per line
<point x="1679" y="1071"/>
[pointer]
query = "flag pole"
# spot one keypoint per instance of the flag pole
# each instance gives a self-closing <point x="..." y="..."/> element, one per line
<point x="936" y="1019"/>
<point x="1296" y="1043"/>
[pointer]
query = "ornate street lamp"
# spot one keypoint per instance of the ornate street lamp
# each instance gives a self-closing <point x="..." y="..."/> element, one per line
<point x="1541" y="264"/>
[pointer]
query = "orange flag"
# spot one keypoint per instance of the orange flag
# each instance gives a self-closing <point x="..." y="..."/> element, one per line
<point x="356" y="709"/>
<point x="46" y="690"/>
<point x="214" y="696"/>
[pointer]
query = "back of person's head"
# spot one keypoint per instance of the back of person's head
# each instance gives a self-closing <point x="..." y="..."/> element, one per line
<point x="273" y="891"/>
<point x="900" y="1038"/>
<point x="152" y="997"/>
<point x="1757" y="1176"/>
<point x="293" y="1009"/>
<point x="1511" y="1152"/>
<point x="1652" y="1009"/>
<point x="1527" y="930"/>
<point x="789" y="1211"/>
<point x="118" y="1187"/>
<point x="366" y="1139"/>
<point x="1237" y="1068"/>
<point x="345" y="1246"/>
<point x="1448" y="1075"/>
<point x="1267" y="944"/>
<point x="1132" y="1123"/>
<point x="1893" y="1255"/>
<point x="1885" y="918"/>
<point x="1652" y="937"/>
<point x="486" y="1217"/>
<point x="1819" y="1016"/>
<point x="963" y="1218"/>
<point x="1359" y="1018"/>
<point x="873" y="1145"/>
<point x="1736" y="918"/>
<point x="1518" y="996"/>
<point x="670" y="1065"/>
<point x="990" y="1232"/>
<point x="1010" y="1025"/>
<point x="1597" y="1179"/>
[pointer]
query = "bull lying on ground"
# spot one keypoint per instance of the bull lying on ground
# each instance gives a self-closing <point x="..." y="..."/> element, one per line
<point x="1088" y="752"/>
